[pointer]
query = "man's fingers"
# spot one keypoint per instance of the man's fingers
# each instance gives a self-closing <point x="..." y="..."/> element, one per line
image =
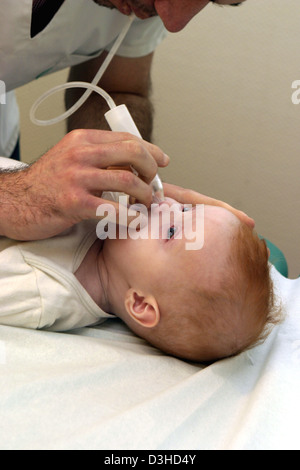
<point x="131" y="153"/>
<point x="112" y="148"/>
<point x="94" y="136"/>
<point x="119" y="181"/>
<point x="187" y="196"/>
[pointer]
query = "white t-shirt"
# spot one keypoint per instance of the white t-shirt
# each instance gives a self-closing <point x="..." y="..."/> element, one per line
<point x="37" y="283"/>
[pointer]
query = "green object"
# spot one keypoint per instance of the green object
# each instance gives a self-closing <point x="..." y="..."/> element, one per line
<point x="277" y="258"/>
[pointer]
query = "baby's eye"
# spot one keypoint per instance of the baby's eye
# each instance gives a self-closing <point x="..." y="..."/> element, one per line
<point x="186" y="208"/>
<point x="171" y="232"/>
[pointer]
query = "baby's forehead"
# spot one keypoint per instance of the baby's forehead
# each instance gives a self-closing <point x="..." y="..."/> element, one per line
<point x="221" y="228"/>
<point x="220" y="215"/>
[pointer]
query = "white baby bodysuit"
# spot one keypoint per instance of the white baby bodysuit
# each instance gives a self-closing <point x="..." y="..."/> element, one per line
<point x="38" y="286"/>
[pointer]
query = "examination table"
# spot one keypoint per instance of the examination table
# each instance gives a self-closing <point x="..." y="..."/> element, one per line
<point x="104" y="388"/>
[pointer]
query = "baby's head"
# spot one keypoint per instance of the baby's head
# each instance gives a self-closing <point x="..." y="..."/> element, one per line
<point x="199" y="305"/>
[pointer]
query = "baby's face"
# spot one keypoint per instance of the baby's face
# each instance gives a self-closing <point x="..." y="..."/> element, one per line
<point x="170" y="250"/>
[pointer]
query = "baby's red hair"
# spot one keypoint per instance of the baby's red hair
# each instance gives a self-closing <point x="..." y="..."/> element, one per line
<point x="249" y="288"/>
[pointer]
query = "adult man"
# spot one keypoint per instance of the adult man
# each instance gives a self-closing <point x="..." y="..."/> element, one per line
<point x="43" y="36"/>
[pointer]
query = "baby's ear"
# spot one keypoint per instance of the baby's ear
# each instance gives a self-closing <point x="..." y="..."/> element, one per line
<point x="142" y="308"/>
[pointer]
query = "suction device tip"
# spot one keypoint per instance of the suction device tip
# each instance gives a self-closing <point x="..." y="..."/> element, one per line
<point x="158" y="190"/>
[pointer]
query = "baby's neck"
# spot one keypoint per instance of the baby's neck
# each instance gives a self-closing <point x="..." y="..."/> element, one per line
<point x="89" y="276"/>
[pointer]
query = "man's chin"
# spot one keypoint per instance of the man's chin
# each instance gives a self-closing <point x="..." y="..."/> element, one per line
<point x="141" y="10"/>
<point x="105" y="3"/>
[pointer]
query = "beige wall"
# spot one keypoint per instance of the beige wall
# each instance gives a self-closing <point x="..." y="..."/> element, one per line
<point x="222" y="94"/>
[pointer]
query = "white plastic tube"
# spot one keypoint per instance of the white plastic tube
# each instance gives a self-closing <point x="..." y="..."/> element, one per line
<point x="87" y="86"/>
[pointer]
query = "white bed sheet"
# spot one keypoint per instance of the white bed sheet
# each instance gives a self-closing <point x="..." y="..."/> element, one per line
<point x="104" y="388"/>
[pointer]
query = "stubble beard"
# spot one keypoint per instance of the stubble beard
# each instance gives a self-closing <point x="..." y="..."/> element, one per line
<point x="136" y="3"/>
<point x="105" y="3"/>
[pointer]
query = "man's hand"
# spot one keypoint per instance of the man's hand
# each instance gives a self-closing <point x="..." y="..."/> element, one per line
<point x="188" y="196"/>
<point x="65" y="185"/>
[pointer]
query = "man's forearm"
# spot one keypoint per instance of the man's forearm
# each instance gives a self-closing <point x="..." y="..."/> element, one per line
<point x="91" y="114"/>
<point x="15" y="208"/>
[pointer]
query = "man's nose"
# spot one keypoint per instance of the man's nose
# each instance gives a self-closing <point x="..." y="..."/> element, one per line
<point x="176" y="14"/>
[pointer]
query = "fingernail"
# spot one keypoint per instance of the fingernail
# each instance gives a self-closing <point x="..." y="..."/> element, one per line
<point x="166" y="159"/>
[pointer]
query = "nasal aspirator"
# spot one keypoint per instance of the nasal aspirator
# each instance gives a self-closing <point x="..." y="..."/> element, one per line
<point x="119" y="119"/>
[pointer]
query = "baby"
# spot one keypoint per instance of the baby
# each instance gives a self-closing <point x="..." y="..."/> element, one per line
<point x="199" y="305"/>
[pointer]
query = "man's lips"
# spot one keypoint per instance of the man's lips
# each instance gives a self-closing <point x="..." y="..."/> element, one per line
<point x="140" y="14"/>
<point x="128" y="7"/>
<point x="124" y="8"/>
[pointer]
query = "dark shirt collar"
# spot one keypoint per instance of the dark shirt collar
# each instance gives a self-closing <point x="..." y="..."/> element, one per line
<point x="43" y="12"/>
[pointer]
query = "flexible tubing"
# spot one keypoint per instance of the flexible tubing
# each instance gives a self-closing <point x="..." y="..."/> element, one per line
<point x="90" y="87"/>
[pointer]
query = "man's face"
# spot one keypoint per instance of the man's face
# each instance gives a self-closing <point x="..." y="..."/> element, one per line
<point x="175" y="14"/>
